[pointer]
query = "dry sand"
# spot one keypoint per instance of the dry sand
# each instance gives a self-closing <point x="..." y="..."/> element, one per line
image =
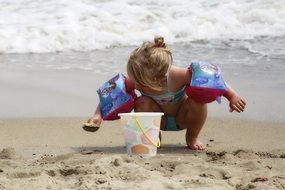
<point x="55" y="153"/>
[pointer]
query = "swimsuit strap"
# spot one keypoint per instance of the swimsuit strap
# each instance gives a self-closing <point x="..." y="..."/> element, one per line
<point x="167" y="83"/>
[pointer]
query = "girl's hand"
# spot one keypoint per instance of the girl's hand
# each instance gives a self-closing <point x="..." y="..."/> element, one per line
<point x="237" y="104"/>
<point x="93" y="124"/>
<point x="96" y="120"/>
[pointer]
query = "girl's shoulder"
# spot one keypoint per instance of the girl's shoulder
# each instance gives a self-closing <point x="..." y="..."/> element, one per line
<point x="180" y="74"/>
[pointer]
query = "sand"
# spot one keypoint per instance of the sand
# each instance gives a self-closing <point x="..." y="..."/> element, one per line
<point x="42" y="144"/>
<point x="55" y="153"/>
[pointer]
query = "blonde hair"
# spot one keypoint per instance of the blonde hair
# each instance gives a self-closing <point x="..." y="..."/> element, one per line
<point x="149" y="63"/>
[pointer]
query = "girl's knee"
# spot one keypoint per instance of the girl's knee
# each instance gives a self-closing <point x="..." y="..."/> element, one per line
<point x="192" y="112"/>
<point x="144" y="103"/>
<point x="198" y="108"/>
<point x="194" y="107"/>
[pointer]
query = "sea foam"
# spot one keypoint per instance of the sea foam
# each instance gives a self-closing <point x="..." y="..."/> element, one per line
<point x="41" y="26"/>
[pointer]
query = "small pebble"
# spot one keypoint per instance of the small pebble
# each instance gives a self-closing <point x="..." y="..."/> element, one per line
<point x="101" y="181"/>
<point x="226" y="175"/>
<point x="117" y="162"/>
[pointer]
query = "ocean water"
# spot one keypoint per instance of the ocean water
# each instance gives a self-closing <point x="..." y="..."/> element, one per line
<point x="45" y="26"/>
<point x="55" y="53"/>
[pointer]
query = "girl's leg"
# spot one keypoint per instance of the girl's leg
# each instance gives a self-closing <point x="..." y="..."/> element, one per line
<point x="146" y="104"/>
<point x="192" y="116"/>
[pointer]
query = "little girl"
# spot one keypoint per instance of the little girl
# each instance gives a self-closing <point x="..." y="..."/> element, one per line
<point x="162" y="87"/>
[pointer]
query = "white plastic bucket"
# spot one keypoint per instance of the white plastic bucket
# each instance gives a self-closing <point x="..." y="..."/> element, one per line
<point x="141" y="131"/>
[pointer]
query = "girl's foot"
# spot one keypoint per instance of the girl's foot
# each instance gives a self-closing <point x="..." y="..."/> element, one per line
<point x="195" y="144"/>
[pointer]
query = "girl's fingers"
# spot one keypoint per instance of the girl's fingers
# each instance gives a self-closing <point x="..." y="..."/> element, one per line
<point x="237" y="106"/>
<point x="234" y="107"/>
<point x="97" y="123"/>
<point x="240" y="108"/>
<point x="244" y="103"/>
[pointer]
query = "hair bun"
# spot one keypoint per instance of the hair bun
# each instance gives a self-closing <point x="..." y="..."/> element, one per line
<point x="159" y="42"/>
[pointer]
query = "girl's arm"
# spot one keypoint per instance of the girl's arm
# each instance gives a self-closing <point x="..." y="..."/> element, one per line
<point x="130" y="87"/>
<point x="96" y="119"/>
<point x="236" y="102"/>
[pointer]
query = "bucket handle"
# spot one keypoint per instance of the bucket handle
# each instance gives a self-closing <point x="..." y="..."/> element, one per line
<point x="157" y="144"/>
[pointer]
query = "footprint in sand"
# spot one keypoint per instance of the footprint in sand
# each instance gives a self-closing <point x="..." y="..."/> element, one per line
<point x="250" y="165"/>
<point x="25" y="174"/>
<point x="8" y="153"/>
<point x="68" y="172"/>
<point x="215" y="173"/>
<point x="245" y="154"/>
<point x="216" y="155"/>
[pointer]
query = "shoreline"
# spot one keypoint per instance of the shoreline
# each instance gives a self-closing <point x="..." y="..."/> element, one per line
<point x="30" y="88"/>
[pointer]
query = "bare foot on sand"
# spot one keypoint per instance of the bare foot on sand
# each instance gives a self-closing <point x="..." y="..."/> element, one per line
<point x="195" y="144"/>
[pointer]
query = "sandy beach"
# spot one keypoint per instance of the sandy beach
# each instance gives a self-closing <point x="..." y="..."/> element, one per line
<point x="54" y="55"/>
<point x="55" y="153"/>
<point x="43" y="146"/>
